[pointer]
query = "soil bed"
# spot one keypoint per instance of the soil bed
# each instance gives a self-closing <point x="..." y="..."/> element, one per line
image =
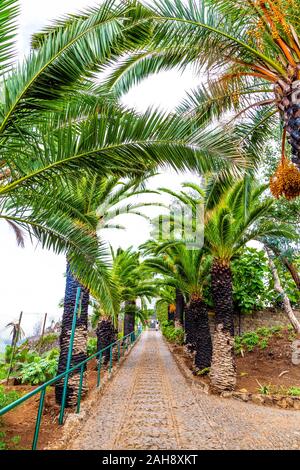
<point x="19" y="424"/>
<point x="271" y="367"/>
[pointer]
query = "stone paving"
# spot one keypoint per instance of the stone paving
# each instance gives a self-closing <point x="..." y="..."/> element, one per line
<point x="150" y="405"/>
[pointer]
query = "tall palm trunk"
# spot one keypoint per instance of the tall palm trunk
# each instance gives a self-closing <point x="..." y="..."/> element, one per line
<point x="129" y="317"/>
<point x="190" y="328"/>
<point x="201" y="338"/>
<point x="288" y="98"/>
<point x="80" y="339"/>
<point x="171" y="314"/>
<point x="223" y="370"/>
<point x="106" y="335"/>
<point x="179" y="308"/>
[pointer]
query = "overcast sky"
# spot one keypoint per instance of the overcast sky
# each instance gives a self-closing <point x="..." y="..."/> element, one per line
<point x="32" y="279"/>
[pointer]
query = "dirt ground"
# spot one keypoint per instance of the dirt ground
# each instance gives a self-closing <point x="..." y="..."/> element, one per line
<point x="20" y="422"/>
<point x="261" y="367"/>
<point x="271" y="366"/>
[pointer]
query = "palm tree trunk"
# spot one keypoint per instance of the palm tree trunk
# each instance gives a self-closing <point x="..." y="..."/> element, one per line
<point x="201" y="332"/>
<point x="223" y="369"/>
<point x="106" y="335"/>
<point x="170" y="314"/>
<point x="179" y="308"/>
<point x="80" y="340"/>
<point x="129" y="317"/>
<point x="190" y="328"/>
<point x="289" y="265"/>
<point x="278" y="287"/>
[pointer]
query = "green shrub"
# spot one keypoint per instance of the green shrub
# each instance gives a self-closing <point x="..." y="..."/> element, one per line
<point x="294" y="391"/>
<point x="263" y="344"/>
<point x="22" y="354"/>
<point x="7" y="397"/>
<point x="91" y="346"/>
<point x="172" y="334"/>
<point x="250" y="290"/>
<point x="260" y="338"/>
<point x="264" y="389"/>
<point x="3" y="371"/>
<point x="40" y="370"/>
<point x="247" y="341"/>
<point x="45" y="343"/>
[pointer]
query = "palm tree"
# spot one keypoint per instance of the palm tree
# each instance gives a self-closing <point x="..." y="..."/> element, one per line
<point x="46" y="91"/>
<point x="166" y="300"/>
<point x="93" y="202"/>
<point x="187" y="270"/>
<point x="179" y="312"/>
<point x="133" y="282"/>
<point x="240" y="216"/>
<point x="251" y="50"/>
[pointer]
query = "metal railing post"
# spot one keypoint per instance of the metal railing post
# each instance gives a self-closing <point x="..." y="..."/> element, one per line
<point x="99" y="370"/>
<point x="80" y="388"/>
<point x="38" y="419"/>
<point x="110" y="359"/>
<point x="64" y="395"/>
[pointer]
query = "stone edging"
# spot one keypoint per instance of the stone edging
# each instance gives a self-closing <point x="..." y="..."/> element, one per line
<point x="74" y="421"/>
<point x="280" y="401"/>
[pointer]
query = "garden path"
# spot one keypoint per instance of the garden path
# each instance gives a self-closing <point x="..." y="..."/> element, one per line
<point x="150" y="405"/>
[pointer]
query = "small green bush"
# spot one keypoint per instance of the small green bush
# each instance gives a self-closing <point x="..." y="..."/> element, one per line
<point x="7" y="397"/>
<point x="22" y="354"/>
<point x="91" y="346"/>
<point x="260" y="338"/>
<point x="294" y="391"/>
<point x="172" y="334"/>
<point x="247" y="341"/>
<point x="40" y="370"/>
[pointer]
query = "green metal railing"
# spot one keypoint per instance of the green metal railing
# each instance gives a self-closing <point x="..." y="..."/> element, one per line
<point x="125" y="343"/>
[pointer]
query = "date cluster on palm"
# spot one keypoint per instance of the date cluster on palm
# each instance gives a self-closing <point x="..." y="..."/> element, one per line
<point x="286" y="180"/>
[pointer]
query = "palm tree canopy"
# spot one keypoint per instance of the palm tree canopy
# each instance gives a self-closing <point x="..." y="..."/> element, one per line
<point x="242" y="214"/>
<point x="130" y="276"/>
<point x="180" y="267"/>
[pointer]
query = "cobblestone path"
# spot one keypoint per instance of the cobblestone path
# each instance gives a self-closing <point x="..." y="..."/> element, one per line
<point x="150" y="405"/>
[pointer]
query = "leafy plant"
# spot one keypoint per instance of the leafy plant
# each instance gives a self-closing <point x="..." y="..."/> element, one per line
<point x="248" y="340"/>
<point x="40" y="370"/>
<point x="7" y="397"/>
<point x="91" y="346"/>
<point x="250" y="287"/>
<point x="204" y="371"/>
<point x="294" y="391"/>
<point x="16" y="440"/>
<point x="172" y="334"/>
<point x="259" y="338"/>
<point x="22" y="354"/>
<point x="264" y="389"/>
<point x="263" y="344"/>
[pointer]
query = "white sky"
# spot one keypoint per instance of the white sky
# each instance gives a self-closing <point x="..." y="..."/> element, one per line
<point x="32" y="279"/>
